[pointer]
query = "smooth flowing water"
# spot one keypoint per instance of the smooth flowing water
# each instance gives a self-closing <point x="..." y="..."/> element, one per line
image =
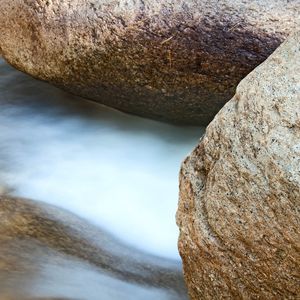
<point x="116" y="171"/>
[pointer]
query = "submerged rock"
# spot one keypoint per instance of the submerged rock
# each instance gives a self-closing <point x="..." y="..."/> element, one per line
<point x="240" y="190"/>
<point x="46" y="252"/>
<point x="177" y="61"/>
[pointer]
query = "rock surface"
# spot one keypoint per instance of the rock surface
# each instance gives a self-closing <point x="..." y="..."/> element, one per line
<point x="46" y="252"/>
<point x="240" y="190"/>
<point x="171" y="60"/>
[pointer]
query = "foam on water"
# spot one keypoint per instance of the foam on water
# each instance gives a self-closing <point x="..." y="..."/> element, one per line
<point x="116" y="170"/>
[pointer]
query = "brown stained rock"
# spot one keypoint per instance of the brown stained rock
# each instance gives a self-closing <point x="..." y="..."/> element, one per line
<point x="173" y="60"/>
<point x="34" y="234"/>
<point x="240" y="190"/>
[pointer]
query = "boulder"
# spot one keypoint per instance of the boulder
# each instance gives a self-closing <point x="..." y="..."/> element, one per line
<point x="173" y="60"/>
<point x="240" y="190"/>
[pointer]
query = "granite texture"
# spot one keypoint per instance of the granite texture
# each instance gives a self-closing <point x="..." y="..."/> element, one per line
<point x="177" y="61"/>
<point x="240" y="190"/>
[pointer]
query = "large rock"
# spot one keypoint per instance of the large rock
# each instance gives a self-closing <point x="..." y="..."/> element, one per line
<point x="240" y="190"/>
<point x="174" y="60"/>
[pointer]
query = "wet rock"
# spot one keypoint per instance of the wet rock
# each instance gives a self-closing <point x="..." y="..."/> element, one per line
<point x="46" y="252"/>
<point x="240" y="190"/>
<point x="176" y="61"/>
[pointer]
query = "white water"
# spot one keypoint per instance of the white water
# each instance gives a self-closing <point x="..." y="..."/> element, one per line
<point x="116" y="170"/>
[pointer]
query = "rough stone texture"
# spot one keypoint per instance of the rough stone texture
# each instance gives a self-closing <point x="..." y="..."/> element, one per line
<point x="240" y="190"/>
<point x="175" y="60"/>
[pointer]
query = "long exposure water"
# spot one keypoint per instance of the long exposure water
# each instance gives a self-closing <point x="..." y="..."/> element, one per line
<point x="117" y="171"/>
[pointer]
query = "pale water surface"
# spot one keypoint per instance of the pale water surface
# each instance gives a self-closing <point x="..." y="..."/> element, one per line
<point x="118" y="171"/>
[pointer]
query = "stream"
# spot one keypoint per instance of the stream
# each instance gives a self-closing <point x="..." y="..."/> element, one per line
<point x="106" y="181"/>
